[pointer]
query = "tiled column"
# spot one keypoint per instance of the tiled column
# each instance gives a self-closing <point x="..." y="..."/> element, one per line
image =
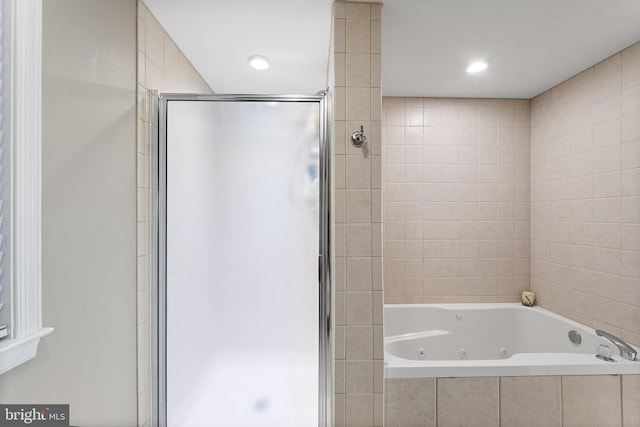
<point x="357" y="215"/>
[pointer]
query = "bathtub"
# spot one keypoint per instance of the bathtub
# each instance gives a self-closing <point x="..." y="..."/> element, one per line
<point x="476" y="340"/>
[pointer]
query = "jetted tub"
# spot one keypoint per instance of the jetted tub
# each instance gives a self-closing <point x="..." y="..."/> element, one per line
<point x="475" y="340"/>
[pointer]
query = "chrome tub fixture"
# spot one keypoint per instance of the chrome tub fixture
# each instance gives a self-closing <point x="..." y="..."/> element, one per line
<point x="626" y="351"/>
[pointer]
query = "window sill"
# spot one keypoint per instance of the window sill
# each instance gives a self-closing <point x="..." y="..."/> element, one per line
<point x="16" y="351"/>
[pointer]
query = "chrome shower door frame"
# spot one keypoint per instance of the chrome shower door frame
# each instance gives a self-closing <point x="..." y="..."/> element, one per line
<point x="159" y="250"/>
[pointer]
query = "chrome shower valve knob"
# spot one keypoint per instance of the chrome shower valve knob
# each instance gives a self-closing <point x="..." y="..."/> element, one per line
<point x="358" y="138"/>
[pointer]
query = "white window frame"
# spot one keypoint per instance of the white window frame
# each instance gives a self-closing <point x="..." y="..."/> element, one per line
<point x="24" y="41"/>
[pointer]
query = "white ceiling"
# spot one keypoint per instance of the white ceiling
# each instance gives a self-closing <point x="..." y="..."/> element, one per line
<point x="530" y="45"/>
<point x="218" y="36"/>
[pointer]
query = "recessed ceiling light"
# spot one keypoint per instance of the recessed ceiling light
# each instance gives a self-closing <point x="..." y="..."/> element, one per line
<point x="476" y="67"/>
<point x="259" y="62"/>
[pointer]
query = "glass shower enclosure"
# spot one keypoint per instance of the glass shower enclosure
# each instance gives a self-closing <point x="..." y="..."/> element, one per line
<point x="242" y="295"/>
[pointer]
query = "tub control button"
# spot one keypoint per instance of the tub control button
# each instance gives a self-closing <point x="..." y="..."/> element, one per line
<point x="504" y="352"/>
<point x="463" y="353"/>
<point x="459" y="316"/>
<point x="421" y="353"/>
<point x="575" y="337"/>
<point x="604" y="352"/>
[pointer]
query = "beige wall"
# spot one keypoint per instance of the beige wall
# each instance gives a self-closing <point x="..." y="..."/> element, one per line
<point x="357" y="216"/>
<point x="585" y="156"/>
<point x="162" y="67"/>
<point x="88" y="216"/>
<point x="545" y="401"/>
<point x="456" y="199"/>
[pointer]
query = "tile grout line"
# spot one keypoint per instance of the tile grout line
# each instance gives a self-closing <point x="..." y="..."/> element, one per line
<point x="562" y="400"/>
<point x="621" y="408"/>
<point x="500" y="401"/>
<point x="436" y="399"/>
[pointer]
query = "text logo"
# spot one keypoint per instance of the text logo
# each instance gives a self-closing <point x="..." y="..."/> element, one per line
<point x="34" y="415"/>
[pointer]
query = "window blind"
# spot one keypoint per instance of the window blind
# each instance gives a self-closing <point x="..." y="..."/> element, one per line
<point x="4" y="293"/>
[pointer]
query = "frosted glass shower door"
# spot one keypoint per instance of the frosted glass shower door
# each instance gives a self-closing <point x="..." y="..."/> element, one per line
<point x="242" y="245"/>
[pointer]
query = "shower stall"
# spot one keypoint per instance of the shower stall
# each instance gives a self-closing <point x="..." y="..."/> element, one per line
<point x="242" y="292"/>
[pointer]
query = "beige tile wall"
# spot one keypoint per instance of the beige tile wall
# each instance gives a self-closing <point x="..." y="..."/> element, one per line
<point x="456" y="199"/>
<point x="468" y="401"/>
<point x="585" y="212"/>
<point x="163" y="67"/>
<point x="410" y="402"/>
<point x="544" y="401"/>
<point x="357" y="216"/>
